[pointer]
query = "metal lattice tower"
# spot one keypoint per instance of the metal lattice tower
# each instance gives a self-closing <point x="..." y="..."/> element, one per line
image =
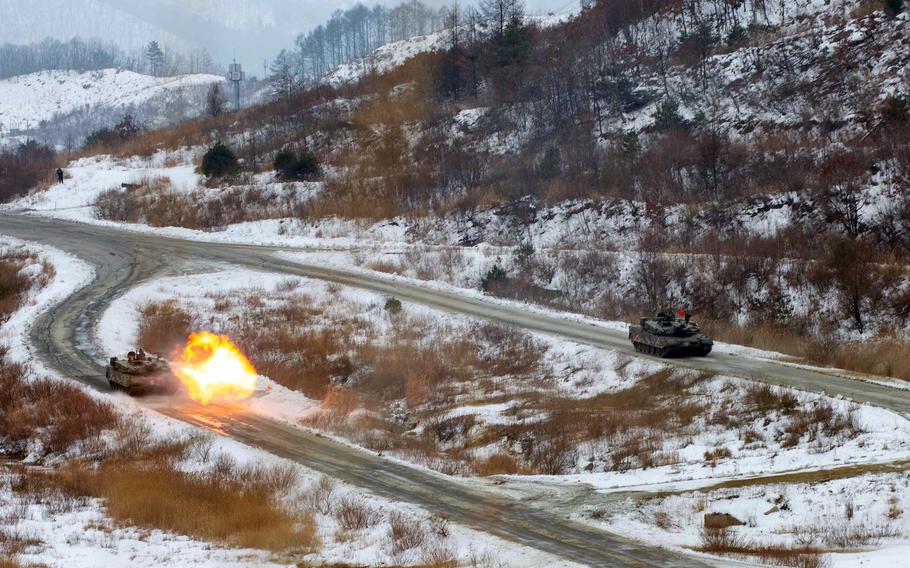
<point x="236" y="75"/>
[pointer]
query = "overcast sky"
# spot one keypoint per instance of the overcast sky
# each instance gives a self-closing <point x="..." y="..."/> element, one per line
<point x="251" y="29"/>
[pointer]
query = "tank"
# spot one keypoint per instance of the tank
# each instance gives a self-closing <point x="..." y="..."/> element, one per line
<point x="140" y="374"/>
<point x="669" y="336"/>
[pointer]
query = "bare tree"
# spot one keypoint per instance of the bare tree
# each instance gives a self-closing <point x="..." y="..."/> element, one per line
<point x="501" y="12"/>
<point x="651" y="273"/>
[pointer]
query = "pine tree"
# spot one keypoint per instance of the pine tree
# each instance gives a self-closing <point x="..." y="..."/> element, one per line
<point x="453" y="26"/>
<point x="282" y="77"/>
<point x="501" y="13"/>
<point x="155" y="56"/>
<point x="214" y="102"/>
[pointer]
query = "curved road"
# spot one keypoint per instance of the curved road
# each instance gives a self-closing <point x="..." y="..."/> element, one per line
<point x="123" y="259"/>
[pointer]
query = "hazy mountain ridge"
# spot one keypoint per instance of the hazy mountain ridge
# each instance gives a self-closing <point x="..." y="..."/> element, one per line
<point x="250" y="30"/>
<point x="78" y="102"/>
<point x="64" y="19"/>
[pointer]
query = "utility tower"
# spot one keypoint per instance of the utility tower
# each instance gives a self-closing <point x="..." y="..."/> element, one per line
<point x="236" y="76"/>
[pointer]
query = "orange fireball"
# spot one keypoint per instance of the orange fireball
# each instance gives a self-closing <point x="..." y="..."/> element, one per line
<point x="213" y="369"/>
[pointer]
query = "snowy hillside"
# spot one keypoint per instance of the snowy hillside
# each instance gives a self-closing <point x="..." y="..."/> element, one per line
<point x="387" y="57"/>
<point x="392" y="55"/>
<point x="28" y="100"/>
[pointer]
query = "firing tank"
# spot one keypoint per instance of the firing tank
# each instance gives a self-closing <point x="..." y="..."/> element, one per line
<point x="670" y="336"/>
<point x="139" y="374"/>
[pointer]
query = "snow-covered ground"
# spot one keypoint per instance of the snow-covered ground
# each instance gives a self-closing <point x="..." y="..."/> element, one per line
<point x="28" y="100"/>
<point x="585" y="372"/>
<point x="885" y="437"/>
<point x="416" y="250"/>
<point x="88" y="178"/>
<point x="70" y="274"/>
<point x="865" y="514"/>
<point x="392" y="55"/>
<point x="81" y="535"/>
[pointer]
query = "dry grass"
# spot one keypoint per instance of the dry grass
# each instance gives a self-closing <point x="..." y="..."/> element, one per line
<point x="138" y="477"/>
<point x="436" y="554"/>
<point x="156" y="203"/>
<point x="13" y="542"/>
<point x="499" y="463"/>
<point x="14" y="284"/>
<point x="885" y="356"/>
<point x="235" y="506"/>
<point x="163" y="326"/>
<point x="57" y="416"/>
<point x="353" y="514"/>
<point x="226" y="503"/>
<point x="328" y="351"/>
<point x="726" y="542"/>
<point x="10" y="563"/>
<point x="405" y="533"/>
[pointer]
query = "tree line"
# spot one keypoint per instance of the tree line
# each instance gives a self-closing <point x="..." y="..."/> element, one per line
<point x="354" y="33"/>
<point x="81" y="55"/>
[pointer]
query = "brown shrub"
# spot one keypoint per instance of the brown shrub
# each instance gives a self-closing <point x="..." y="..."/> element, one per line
<point x="55" y="414"/>
<point x="405" y="533"/>
<point x="238" y="507"/>
<point x="341" y="400"/>
<point x="308" y="363"/>
<point x="13" y="285"/>
<point x="353" y="513"/>
<point x="764" y="398"/>
<point x="319" y="496"/>
<point x="436" y="554"/>
<point x="515" y="352"/>
<point x="820" y="419"/>
<point x="13" y="543"/>
<point x="163" y="326"/>
<point x="725" y="541"/>
<point x="498" y="464"/>
<point x="385" y="266"/>
<point x="716" y="454"/>
<point x="555" y="455"/>
<point x="884" y="356"/>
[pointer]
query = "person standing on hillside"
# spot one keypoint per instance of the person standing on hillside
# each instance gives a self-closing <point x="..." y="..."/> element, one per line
<point x="59" y="175"/>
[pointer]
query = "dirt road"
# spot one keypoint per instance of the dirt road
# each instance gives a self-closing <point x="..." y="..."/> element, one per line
<point x="64" y="337"/>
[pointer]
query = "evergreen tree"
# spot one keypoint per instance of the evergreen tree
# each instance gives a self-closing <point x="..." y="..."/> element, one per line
<point x="895" y="7"/>
<point x="214" y="101"/>
<point x="282" y="77"/>
<point x="291" y="167"/>
<point x="667" y="117"/>
<point x="502" y="13"/>
<point x="155" y="56"/>
<point x="219" y="161"/>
